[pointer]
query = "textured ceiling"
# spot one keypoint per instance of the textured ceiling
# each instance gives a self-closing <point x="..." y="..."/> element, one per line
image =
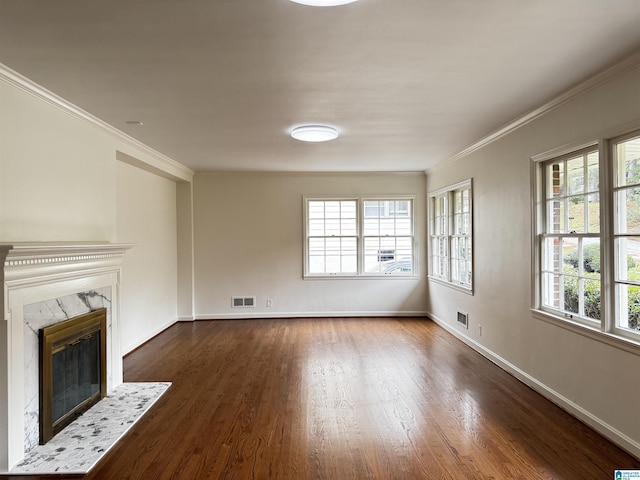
<point x="219" y="83"/>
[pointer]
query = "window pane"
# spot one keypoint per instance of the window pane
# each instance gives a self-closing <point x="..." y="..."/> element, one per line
<point x="571" y="254"/>
<point x="628" y="162"/>
<point x="332" y="209"/>
<point x="465" y="224"/>
<point x="571" y="293"/>
<point x="316" y="227"/>
<point x="593" y="212"/>
<point x="333" y="255"/>
<point x="332" y="259"/>
<point x="627" y="257"/>
<point x="555" y="180"/>
<point x="332" y="218"/>
<point x="551" y="290"/>
<point x="556" y="216"/>
<point x="575" y="175"/>
<point x="440" y="215"/>
<point x="439" y="257"/>
<point x="591" y="256"/>
<point x="316" y="209"/>
<point x="581" y="281"/>
<point x="371" y="226"/>
<point x="332" y="226"/>
<point x="593" y="172"/>
<point x="404" y="247"/>
<point x="576" y="214"/>
<point x="591" y="298"/>
<point x="316" y="255"/>
<point x="403" y="226"/>
<point x="628" y="307"/>
<point x="403" y="208"/>
<point x="348" y="209"/>
<point x="628" y="210"/>
<point x="371" y="209"/>
<point x="551" y="255"/>
<point x="348" y="226"/>
<point x="389" y="255"/>
<point x="457" y="202"/>
<point x="372" y="255"/>
<point x="387" y="226"/>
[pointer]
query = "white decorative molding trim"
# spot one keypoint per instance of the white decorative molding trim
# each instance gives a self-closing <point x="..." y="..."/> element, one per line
<point x="32" y="263"/>
<point x="159" y="161"/>
<point x="604" y="76"/>
<point x="21" y="254"/>
<point x="616" y="436"/>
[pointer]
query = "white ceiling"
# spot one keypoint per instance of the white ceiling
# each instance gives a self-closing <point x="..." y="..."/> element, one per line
<point x="219" y="83"/>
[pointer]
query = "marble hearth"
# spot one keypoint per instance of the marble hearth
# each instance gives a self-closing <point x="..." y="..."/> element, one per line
<point x="44" y="285"/>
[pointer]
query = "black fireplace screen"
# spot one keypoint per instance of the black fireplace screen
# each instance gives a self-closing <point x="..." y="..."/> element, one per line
<point x="76" y="375"/>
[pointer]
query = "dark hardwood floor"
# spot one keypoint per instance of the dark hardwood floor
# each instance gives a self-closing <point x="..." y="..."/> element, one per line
<point x="343" y="399"/>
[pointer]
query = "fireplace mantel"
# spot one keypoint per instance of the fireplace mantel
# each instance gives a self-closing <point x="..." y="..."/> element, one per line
<point x="38" y="272"/>
<point x="28" y="260"/>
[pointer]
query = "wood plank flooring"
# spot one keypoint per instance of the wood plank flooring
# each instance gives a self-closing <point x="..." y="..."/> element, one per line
<point x="341" y="399"/>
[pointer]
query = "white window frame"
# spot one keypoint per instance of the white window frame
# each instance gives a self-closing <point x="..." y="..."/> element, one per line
<point x="360" y="238"/>
<point x="606" y="329"/>
<point x="442" y="238"/>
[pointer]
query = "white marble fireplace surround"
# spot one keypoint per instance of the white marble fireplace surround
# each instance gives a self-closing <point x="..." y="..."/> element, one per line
<point x="45" y="284"/>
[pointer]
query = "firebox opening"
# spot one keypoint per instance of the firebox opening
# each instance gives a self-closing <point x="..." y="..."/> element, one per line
<point x="72" y="370"/>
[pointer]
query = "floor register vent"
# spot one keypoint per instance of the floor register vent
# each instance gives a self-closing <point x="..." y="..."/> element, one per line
<point x="243" y="301"/>
<point x="463" y="319"/>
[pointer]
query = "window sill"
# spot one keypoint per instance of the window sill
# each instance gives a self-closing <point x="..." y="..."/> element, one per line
<point x="455" y="286"/>
<point x="617" y="341"/>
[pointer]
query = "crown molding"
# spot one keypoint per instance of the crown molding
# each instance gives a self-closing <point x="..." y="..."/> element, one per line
<point x="604" y="76"/>
<point x="157" y="161"/>
<point x="289" y="173"/>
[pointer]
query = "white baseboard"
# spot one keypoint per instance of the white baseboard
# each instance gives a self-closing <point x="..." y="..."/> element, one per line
<point x="245" y="313"/>
<point x="623" y="441"/>
<point x="128" y="348"/>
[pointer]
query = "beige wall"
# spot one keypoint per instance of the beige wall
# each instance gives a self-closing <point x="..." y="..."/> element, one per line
<point x="146" y="214"/>
<point x="60" y="181"/>
<point x="595" y="381"/>
<point x="57" y="174"/>
<point x="249" y="242"/>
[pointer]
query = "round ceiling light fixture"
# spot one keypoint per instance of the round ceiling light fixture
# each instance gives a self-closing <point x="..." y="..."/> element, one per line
<point x="314" y="133"/>
<point x="324" y="3"/>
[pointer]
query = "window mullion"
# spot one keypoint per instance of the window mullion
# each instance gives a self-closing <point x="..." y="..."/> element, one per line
<point x="607" y="252"/>
<point x="360" y="243"/>
<point x="450" y="220"/>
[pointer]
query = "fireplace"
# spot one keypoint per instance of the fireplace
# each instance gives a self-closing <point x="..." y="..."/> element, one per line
<point x="73" y="373"/>
<point x="47" y="284"/>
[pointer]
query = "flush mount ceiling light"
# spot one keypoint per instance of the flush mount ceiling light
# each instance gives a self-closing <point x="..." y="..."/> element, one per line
<point x="324" y="3"/>
<point x="314" y="133"/>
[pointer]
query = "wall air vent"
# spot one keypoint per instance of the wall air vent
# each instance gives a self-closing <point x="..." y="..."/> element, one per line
<point x="243" y="302"/>
<point x="463" y="319"/>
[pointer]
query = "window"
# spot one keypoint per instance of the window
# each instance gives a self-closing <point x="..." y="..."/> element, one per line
<point x="451" y="238"/>
<point x="625" y="153"/>
<point x="359" y="236"/>
<point x="571" y="273"/>
<point x="588" y="236"/>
